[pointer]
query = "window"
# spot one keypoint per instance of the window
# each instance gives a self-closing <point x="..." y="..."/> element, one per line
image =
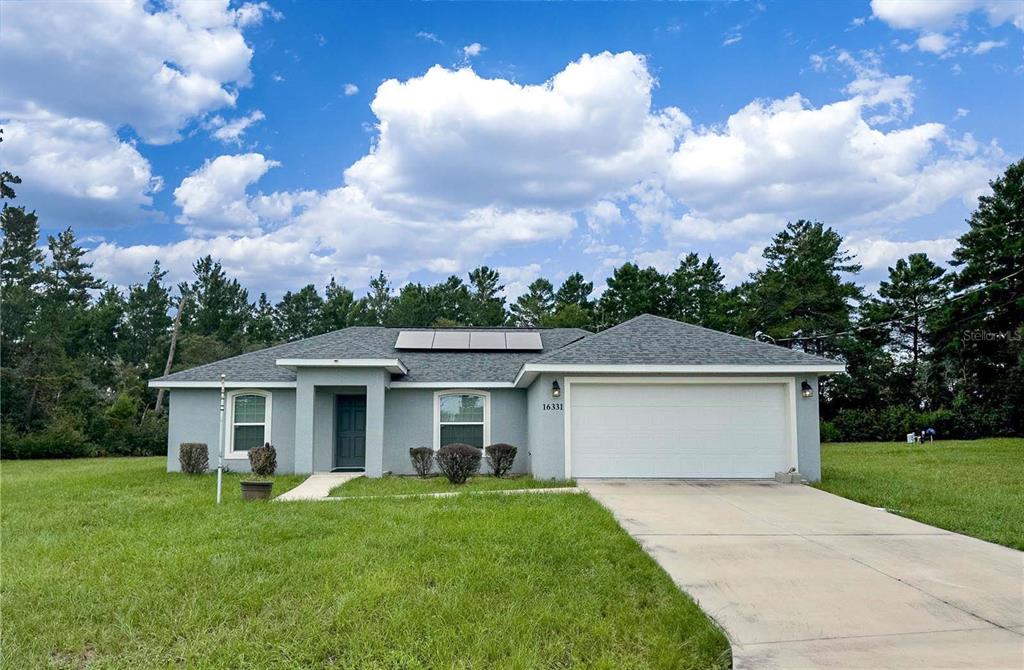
<point x="462" y="416"/>
<point x="248" y="421"/>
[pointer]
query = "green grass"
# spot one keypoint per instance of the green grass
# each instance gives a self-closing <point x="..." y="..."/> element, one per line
<point x="974" y="487"/>
<point x="402" y="485"/>
<point x="113" y="563"/>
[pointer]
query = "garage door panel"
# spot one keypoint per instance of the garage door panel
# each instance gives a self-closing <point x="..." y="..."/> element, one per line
<point x="678" y="430"/>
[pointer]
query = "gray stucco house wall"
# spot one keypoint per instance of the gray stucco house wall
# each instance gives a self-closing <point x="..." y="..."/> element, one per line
<point x="302" y="380"/>
<point x="194" y="416"/>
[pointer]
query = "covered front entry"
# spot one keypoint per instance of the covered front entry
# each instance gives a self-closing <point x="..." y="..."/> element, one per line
<point x="707" y="428"/>
<point x="350" y="432"/>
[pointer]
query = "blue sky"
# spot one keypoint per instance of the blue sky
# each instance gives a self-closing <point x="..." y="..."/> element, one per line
<point x="297" y="141"/>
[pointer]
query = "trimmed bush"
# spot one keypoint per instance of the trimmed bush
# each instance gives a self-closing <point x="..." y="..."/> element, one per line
<point x="263" y="460"/>
<point x="422" y="460"/>
<point x="458" y="462"/>
<point x="500" y="458"/>
<point x="194" y="457"/>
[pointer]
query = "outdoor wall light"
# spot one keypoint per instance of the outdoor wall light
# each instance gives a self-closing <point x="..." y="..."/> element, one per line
<point x="556" y="390"/>
<point x="805" y="389"/>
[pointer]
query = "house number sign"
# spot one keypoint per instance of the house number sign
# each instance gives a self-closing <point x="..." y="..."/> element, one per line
<point x="548" y="406"/>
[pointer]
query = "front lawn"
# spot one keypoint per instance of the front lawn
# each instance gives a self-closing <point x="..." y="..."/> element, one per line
<point x="113" y="563"/>
<point x="405" y="485"/>
<point x="972" y="487"/>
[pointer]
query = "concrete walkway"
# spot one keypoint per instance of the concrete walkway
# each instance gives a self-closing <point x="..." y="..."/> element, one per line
<point x="799" y="578"/>
<point x="318" y="486"/>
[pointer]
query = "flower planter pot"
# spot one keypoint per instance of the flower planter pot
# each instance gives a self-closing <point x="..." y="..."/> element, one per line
<point x="256" y="490"/>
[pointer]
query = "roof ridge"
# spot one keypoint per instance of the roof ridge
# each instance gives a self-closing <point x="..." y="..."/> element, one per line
<point x="739" y="337"/>
<point x="586" y="338"/>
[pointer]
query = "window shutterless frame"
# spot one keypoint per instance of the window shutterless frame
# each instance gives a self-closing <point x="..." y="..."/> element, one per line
<point x="486" y="395"/>
<point x="229" y="451"/>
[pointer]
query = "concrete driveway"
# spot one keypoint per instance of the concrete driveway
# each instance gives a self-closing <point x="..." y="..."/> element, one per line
<point x="799" y="578"/>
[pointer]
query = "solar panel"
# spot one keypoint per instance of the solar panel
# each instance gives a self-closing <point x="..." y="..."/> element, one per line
<point x="415" y="339"/>
<point x="489" y="340"/>
<point x="451" y="339"/>
<point x="520" y="341"/>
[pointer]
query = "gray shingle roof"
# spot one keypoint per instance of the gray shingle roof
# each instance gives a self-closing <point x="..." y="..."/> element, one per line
<point x="655" y="340"/>
<point x="377" y="342"/>
<point x="644" y="340"/>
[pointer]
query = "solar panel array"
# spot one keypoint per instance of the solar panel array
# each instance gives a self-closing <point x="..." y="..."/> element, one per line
<point x="469" y="340"/>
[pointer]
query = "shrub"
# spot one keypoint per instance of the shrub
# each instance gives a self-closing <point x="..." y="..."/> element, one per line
<point x="422" y="460"/>
<point x="501" y="457"/>
<point x="194" y="457"/>
<point x="64" y="437"/>
<point x="458" y="461"/>
<point x="263" y="460"/>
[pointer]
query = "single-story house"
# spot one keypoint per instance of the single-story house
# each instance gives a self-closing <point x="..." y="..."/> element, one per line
<point x="650" y="397"/>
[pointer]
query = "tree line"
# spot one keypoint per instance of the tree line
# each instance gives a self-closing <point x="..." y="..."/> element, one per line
<point x="936" y="347"/>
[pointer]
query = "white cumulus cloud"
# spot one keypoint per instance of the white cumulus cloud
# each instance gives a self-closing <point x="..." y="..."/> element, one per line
<point x="74" y="168"/>
<point x="464" y="167"/>
<point x="214" y="199"/>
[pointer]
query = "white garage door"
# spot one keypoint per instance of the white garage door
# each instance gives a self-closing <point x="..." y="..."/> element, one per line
<point x="678" y="430"/>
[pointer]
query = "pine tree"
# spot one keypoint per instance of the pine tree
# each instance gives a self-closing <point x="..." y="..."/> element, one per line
<point x="67" y="277"/>
<point x="147" y="323"/>
<point x="338" y="305"/>
<point x="487" y="308"/>
<point x="375" y="307"/>
<point x="535" y="307"/>
<point x="697" y="292"/>
<point x="632" y="292"/>
<point x="802" y="292"/>
<point x="261" y="325"/>
<point x="219" y="306"/>
<point x="299" y="315"/>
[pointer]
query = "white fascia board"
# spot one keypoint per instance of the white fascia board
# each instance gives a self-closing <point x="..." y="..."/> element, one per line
<point x="452" y="385"/>
<point x="157" y="384"/>
<point x="530" y="370"/>
<point x="393" y="365"/>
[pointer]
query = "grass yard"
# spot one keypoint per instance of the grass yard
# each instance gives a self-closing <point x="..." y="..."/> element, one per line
<point x="113" y="563"/>
<point x="404" y="485"/>
<point x="974" y="487"/>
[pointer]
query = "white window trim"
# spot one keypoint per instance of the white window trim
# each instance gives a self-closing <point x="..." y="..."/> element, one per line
<point x="486" y="395"/>
<point x="229" y="440"/>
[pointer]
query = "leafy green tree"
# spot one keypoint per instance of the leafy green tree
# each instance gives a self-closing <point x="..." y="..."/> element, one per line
<point x="536" y="306"/>
<point x="300" y="314"/>
<point x="338" y="305"/>
<point x="697" y="292"/>
<point x="487" y="307"/>
<point x="631" y="292"/>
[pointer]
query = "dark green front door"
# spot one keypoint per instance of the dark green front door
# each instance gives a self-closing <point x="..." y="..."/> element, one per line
<point x="350" y="431"/>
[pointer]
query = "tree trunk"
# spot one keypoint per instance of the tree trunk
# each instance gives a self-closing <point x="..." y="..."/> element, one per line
<point x="170" y="353"/>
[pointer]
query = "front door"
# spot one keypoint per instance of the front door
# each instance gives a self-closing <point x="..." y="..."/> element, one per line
<point x="350" y="432"/>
